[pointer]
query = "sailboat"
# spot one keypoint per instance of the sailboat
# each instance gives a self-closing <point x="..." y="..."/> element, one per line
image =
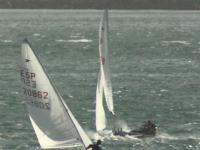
<point x="104" y="86"/>
<point x="53" y="122"/>
<point x="104" y="89"/>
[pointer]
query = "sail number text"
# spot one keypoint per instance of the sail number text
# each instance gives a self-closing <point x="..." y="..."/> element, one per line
<point x="40" y="105"/>
<point x="28" y="78"/>
<point x="40" y="95"/>
<point x="37" y="98"/>
<point x="36" y="94"/>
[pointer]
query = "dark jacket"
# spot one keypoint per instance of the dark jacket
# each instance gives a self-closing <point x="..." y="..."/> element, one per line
<point x="94" y="147"/>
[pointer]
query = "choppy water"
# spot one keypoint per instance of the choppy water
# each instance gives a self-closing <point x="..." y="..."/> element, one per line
<point x="155" y="64"/>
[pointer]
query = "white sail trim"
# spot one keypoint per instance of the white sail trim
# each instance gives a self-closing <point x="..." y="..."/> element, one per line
<point x="104" y="61"/>
<point x="100" y="113"/>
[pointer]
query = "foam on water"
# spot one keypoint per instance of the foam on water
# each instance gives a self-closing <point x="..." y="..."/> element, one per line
<point x="36" y="34"/>
<point x="6" y="41"/>
<point x="119" y="123"/>
<point x="166" y="136"/>
<point x="91" y="110"/>
<point x="95" y="136"/>
<point x="176" y="42"/>
<point x="75" y="36"/>
<point x="61" y="40"/>
<point x="80" y="41"/>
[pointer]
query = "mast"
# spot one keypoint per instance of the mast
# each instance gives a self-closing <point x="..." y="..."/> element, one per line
<point x="105" y="62"/>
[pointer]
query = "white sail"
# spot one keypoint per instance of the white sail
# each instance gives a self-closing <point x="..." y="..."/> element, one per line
<point x="53" y="122"/>
<point x="104" y="61"/>
<point x="100" y="113"/>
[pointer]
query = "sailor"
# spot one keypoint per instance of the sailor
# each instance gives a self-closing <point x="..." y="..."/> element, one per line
<point x="149" y="128"/>
<point x="119" y="132"/>
<point x="96" y="146"/>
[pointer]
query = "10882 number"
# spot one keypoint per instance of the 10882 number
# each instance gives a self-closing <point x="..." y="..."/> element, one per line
<point x="36" y="94"/>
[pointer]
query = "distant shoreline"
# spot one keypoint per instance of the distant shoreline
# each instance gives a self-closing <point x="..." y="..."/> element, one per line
<point x="102" y="4"/>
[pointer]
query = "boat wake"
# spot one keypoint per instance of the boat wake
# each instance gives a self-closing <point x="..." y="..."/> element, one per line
<point x="165" y="136"/>
<point x="160" y="136"/>
<point x="95" y="136"/>
<point x="119" y="123"/>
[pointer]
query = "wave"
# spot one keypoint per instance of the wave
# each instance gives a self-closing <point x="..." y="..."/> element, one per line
<point x="80" y="41"/>
<point x="166" y="136"/>
<point x="176" y="42"/>
<point x="75" y="36"/>
<point x="6" y="41"/>
<point x="160" y="136"/>
<point x="173" y="137"/>
<point x="117" y="92"/>
<point x="14" y="92"/>
<point x="60" y="40"/>
<point x="91" y="110"/>
<point x="36" y="34"/>
<point x="75" y="40"/>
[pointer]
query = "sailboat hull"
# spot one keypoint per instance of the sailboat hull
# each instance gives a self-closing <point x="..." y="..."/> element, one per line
<point x="105" y="132"/>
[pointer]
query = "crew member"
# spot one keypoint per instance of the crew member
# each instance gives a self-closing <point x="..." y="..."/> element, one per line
<point x="96" y="146"/>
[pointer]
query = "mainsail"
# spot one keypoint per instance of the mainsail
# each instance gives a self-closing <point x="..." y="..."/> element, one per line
<point x="104" y="61"/>
<point x="104" y="83"/>
<point x="53" y="122"/>
<point x="100" y="113"/>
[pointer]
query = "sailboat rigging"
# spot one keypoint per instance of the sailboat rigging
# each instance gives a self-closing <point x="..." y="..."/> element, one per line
<point x="104" y="89"/>
<point x="53" y="122"/>
<point x="104" y="86"/>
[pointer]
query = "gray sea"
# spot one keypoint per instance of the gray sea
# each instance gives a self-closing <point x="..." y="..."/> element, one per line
<point x="155" y="73"/>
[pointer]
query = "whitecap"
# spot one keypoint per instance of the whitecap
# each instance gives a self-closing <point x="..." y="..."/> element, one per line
<point x="163" y="90"/>
<point x="60" y="40"/>
<point x="117" y="92"/>
<point x="6" y="41"/>
<point x="36" y="34"/>
<point x="74" y="36"/>
<point x="91" y="110"/>
<point x="14" y="92"/>
<point x="176" y="42"/>
<point x="23" y="102"/>
<point x="166" y="136"/>
<point x="80" y="41"/>
<point x="70" y="96"/>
